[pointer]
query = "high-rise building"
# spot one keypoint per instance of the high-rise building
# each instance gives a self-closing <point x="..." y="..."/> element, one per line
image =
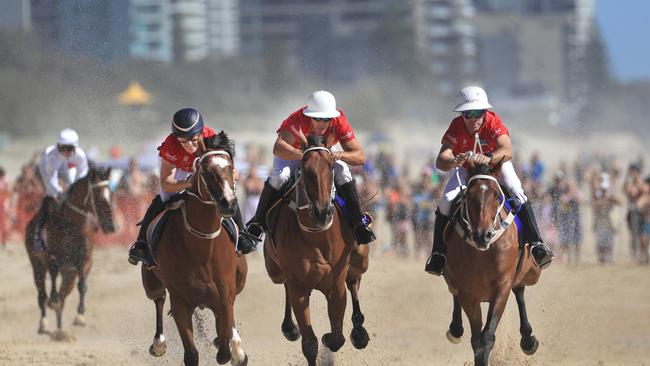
<point x="16" y="15"/>
<point x="223" y="27"/>
<point x="150" y="29"/>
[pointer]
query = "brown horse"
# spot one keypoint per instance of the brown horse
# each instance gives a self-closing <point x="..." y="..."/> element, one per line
<point x="197" y="262"/>
<point x="313" y="248"/>
<point x="484" y="264"/>
<point x="68" y="251"/>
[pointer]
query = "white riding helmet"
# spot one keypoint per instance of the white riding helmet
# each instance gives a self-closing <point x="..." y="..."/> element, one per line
<point x="321" y="104"/>
<point x="68" y="136"/>
<point x="472" y="98"/>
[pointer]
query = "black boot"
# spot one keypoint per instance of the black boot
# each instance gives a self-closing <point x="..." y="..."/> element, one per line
<point x="39" y="222"/>
<point x="139" y="252"/>
<point x="436" y="261"/>
<point x="542" y="254"/>
<point x="257" y="225"/>
<point x="246" y="242"/>
<point x="362" y="233"/>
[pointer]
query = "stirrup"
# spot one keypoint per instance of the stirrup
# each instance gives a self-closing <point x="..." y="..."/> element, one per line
<point x="363" y="234"/>
<point x="547" y="257"/>
<point x="434" y="268"/>
<point x="137" y="253"/>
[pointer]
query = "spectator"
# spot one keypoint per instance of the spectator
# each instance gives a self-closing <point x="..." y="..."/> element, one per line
<point x="5" y="215"/>
<point x="633" y="188"/>
<point x="602" y="203"/>
<point x="253" y="186"/>
<point x="644" y="206"/>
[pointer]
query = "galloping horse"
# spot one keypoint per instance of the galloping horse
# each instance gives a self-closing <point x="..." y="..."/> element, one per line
<point x="197" y="262"/>
<point x="68" y="251"/>
<point x="484" y="264"/>
<point x="313" y="248"/>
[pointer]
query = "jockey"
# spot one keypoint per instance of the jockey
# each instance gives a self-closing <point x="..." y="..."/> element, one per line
<point x="177" y="154"/>
<point x="319" y="117"/>
<point x="65" y="162"/>
<point x="476" y="121"/>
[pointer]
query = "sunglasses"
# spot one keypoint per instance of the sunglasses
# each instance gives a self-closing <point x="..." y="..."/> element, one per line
<point x="322" y="119"/>
<point x="474" y="113"/>
<point x="66" y="148"/>
<point x="192" y="139"/>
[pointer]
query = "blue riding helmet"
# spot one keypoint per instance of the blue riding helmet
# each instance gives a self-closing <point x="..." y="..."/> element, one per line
<point x="187" y="122"/>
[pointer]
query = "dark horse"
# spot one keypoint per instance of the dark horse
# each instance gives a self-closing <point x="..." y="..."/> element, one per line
<point x="313" y="248"/>
<point x="68" y="251"/>
<point x="197" y="262"/>
<point x="484" y="264"/>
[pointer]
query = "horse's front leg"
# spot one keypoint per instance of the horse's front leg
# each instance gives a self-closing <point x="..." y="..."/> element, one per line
<point x="289" y="328"/>
<point x="336" y="303"/>
<point x="359" y="335"/>
<point x="53" y="269"/>
<point x="487" y="338"/>
<point x="225" y="319"/>
<point x="455" y="332"/>
<point x="528" y="342"/>
<point x="472" y="309"/>
<point x="38" y="267"/>
<point x="79" y="320"/>
<point x="300" y="303"/>
<point x="182" y="314"/>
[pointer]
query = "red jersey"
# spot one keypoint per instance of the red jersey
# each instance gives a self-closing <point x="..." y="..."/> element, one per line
<point x="172" y="151"/>
<point x="338" y="130"/>
<point x="462" y="141"/>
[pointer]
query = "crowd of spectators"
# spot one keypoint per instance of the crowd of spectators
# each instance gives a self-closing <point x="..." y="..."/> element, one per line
<point x="403" y="204"/>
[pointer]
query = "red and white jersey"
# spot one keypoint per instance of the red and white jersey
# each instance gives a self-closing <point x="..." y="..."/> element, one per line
<point x="462" y="141"/>
<point x="339" y="129"/>
<point x="172" y="151"/>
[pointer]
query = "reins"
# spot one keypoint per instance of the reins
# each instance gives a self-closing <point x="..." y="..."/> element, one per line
<point x="89" y="196"/>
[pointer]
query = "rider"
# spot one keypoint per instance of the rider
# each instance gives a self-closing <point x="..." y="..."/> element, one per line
<point x="177" y="154"/>
<point x="476" y="121"/>
<point x="55" y="165"/>
<point x="319" y="117"/>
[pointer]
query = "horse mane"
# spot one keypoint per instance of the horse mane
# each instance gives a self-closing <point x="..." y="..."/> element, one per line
<point x="315" y="141"/>
<point x="483" y="169"/>
<point x="221" y="141"/>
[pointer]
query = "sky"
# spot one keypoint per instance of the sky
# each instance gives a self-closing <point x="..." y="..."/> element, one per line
<point x="625" y="28"/>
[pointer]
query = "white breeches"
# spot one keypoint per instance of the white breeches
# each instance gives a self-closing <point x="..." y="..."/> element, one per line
<point x="282" y="170"/>
<point x="179" y="176"/>
<point x="507" y="177"/>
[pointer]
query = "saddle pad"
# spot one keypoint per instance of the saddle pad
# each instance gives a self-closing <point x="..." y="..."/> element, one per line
<point x="158" y="224"/>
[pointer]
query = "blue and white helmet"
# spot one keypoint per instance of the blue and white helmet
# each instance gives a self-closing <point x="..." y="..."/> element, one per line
<point x="187" y="122"/>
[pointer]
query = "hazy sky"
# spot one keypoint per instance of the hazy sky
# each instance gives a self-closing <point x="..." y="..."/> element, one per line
<point x="625" y="27"/>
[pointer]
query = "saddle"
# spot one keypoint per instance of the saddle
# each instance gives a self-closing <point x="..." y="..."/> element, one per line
<point x="155" y="229"/>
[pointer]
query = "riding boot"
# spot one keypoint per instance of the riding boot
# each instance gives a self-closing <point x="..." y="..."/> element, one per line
<point x="139" y="251"/>
<point x="257" y="225"/>
<point x="246" y="242"/>
<point x="39" y="222"/>
<point x="362" y="233"/>
<point x="542" y="253"/>
<point x="436" y="261"/>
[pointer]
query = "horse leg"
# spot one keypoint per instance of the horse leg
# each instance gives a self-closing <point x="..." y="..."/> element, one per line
<point x="182" y="314"/>
<point x="359" y="335"/>
<point x="336" y="303"/>
<point x="53" y="269"/>
<point x="67" y="284"/>
<point x="528" y="342"/>
<point x="155" y="291"/>
<point x="472" y="309"/>
<point x="38" y="268"/>
<point x="79" y="320"/>
<point x="289" y="328"/>
<point x="239" y="357"/>
<point x="300" y="304"/>
<point x="455" y="332"/>
<point x="224" y="316"/>
<point x="487" y="337"/>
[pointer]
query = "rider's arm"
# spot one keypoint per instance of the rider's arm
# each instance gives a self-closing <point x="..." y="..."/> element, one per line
<point x="167" y="181"/>
<point x="49" y="169"/>
<point x="446" y="159"/>
<point x="503" y="152"/>
<point x="352" y="153"/>
<point x="81" y="162"/>
<point x="283" y="148"/>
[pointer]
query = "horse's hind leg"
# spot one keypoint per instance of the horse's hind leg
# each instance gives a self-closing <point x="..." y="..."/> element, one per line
<point x="38" y="267"/>
<point x="359" y="335"/>
<point x="528" y="342"/>
<point x="155" y="291"/>
<point x="455" y="332"/>
<point x="82" y="287"/>
<point x="289" y="328"/>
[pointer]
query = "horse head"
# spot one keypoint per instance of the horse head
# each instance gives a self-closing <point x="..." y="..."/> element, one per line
<point x="483" y="202"/>
<point x="317" y="175"/>
<point x="91" y="195"/>
<point x="216" y="173"/>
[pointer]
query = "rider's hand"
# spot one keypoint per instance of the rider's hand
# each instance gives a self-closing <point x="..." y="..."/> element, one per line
<point x="481" y="159"/>
<point x="337" y="155"/>
<point x="460" y="159"/>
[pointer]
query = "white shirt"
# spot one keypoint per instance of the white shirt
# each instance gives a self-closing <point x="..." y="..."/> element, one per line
<point x="54" y="166"/>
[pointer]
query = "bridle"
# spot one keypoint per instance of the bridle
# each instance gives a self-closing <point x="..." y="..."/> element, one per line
<point x="309" y="204"/>
<point x="198" y="196"/>
<point x="89" y="197"/>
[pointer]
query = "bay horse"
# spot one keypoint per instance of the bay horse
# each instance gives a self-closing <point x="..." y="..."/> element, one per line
<point x="313" y="247"/>
<point x="68" y="251"/>
<point x="484" y="264"/>
<point x="197" y="262"/>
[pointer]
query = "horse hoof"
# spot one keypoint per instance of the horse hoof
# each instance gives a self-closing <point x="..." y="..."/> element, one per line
<point x="359" y="337"/>
<point x="223" y="355"/>
<point x="79" y="320"/>
<point x="42" y="327"/>
<point x="332" y="342"/>
<point x="290" y="331"/>
<point x="529" y="345"/>
<point x="243" y="362"/>
<point x="452" y="339"/>
<point x="158" y="350"/>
